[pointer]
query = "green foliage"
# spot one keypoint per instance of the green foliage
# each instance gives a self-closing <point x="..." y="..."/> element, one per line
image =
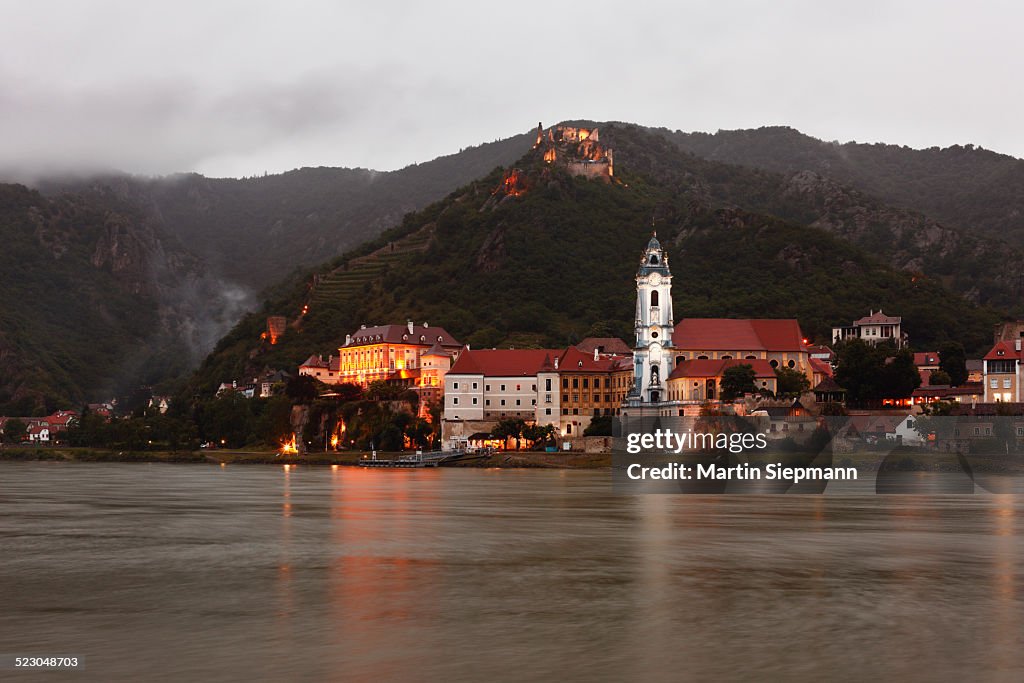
<point x="738" y="380"/>
<point x="791" y="382"/>
<point x="953" y="361"/>
<point x="939" y="378"/>
<point x="872" y="373"/>
<point x="15" y="430"/>
<point x="600" y="425"/>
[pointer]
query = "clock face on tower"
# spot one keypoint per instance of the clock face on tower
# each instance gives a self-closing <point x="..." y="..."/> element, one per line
<point x="655" y="279"/>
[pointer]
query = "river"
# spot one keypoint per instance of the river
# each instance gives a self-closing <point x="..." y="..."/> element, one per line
<point x="153" y="572"/>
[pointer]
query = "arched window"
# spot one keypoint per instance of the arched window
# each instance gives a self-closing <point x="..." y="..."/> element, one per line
<point x="654" y="298"/>
<point x="654" y="259"/>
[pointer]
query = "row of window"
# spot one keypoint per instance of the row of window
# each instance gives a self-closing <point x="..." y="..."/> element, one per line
<point x="501" y="387"/>
<point x="994" y="383"/>
<point x="475" y="400"/>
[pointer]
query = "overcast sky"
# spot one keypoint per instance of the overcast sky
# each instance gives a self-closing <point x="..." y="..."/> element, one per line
<point x="239" y="88"/>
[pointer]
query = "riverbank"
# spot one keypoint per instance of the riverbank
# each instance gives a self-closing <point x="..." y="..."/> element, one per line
<point x="505" y="459"/>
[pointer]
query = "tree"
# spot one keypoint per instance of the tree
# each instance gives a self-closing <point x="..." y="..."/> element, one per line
<point x="900" y="376"/>
<point x="509" y="428"/>
<point x="15" y="430"/>
<point x="953" y="361"/>
<point x="301" y="389"/>
<point x="790" y="382"/>
<point x="858" y="369"/>
<point x="939" y="378"/>
<point x="738" y="380"/>
<point x="600" y="425"/>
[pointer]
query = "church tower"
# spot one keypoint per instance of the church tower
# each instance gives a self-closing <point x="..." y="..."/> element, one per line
<point x="652" y="358"/>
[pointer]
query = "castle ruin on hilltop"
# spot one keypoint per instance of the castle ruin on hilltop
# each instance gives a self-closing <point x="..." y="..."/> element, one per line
<point x="579" y="150"/>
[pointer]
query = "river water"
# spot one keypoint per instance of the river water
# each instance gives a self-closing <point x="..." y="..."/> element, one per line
<point x="156" y="572"/>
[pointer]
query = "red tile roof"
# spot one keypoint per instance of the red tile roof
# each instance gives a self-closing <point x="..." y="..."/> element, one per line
<point x="821" y="367"/>
<point x="314" y="361"/>
<point x="926" y="358"/>
<point x="605" y="345"/>
<point x="502" y="362"/>
<point x="399" y="334"/>
<point x="715" y="368"/>
<point x="1003" y="350"/>
<point x="728" y="334"/>
<point x="576" y="359"/>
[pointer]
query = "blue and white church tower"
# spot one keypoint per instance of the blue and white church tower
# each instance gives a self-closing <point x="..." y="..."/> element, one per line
<point x="652" y="357"/>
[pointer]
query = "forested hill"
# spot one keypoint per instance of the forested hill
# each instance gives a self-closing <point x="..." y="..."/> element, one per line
<point x="95" y="300"/>
<point x="254" y="231"/>
<point x="962" y="186"/>
<point x="552" y="260"/>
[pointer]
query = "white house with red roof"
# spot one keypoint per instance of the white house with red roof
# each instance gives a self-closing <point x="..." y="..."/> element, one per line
<point x="698" y="381"/>
<point x="873" y="328"/>
<point x="564" y="388"/>
<point x="1003" y="369"/>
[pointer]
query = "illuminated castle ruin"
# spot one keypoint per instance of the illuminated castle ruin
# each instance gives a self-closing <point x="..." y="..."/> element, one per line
<point x="579" y="150"/>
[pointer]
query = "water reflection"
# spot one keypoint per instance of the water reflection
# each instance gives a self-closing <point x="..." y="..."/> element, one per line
<point x="213" y="573"/>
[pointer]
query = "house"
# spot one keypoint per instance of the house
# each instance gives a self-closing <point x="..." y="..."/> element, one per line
<point x="873" y="328"/>
<point x="779" y="342"/>
<point x="381" y="353"/>
<point x="484" y="387"/>
<point x="926" y="363"/>
<point x="1002" y="373"/>
<point x="563" y="388"/>
<point x="828" y="391"/>
<point x="975" y="370"/>
<point x="968" y="392"/>
<point x="793" y="420"/>
<point x="694" y="382"/>
<point x="592" y="384"/>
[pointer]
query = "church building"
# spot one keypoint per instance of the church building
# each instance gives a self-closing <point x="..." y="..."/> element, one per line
<point x="653" y="357"/>
<point x="678" y="367"/>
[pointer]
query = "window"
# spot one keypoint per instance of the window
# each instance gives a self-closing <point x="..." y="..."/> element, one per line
<point x="503" y="387"/>
<point x="519" y="387"/>
<point x="575" y="383"/>
<point x="455" y="401"/>
<point x="565" y="411"/>
<point x="607" y="383"/>
<point x="994" y="383"/>
<point x="534" y="388"/>
<point x="1006" y="383"/>
<point x="455" y="385"/>
<point x="518" y="402"/>
<point x="474" y="385"/>
<point x="547" y="411"/>
<point x="547" y="384"/>
<point x="502" y="401"/>
<point x="1020" y="431"/>
<point x="487" y="402"/>
<point x="575" y="411"/>
<point x="586" y="382"/>
<point x="474" y="400"/>
<point x="654" y="297"/>
<point x="487" y="387"/>
<point x="565" y="382"/>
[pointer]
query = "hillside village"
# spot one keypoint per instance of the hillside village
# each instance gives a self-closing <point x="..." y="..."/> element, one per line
<point x="566" y="397"/>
